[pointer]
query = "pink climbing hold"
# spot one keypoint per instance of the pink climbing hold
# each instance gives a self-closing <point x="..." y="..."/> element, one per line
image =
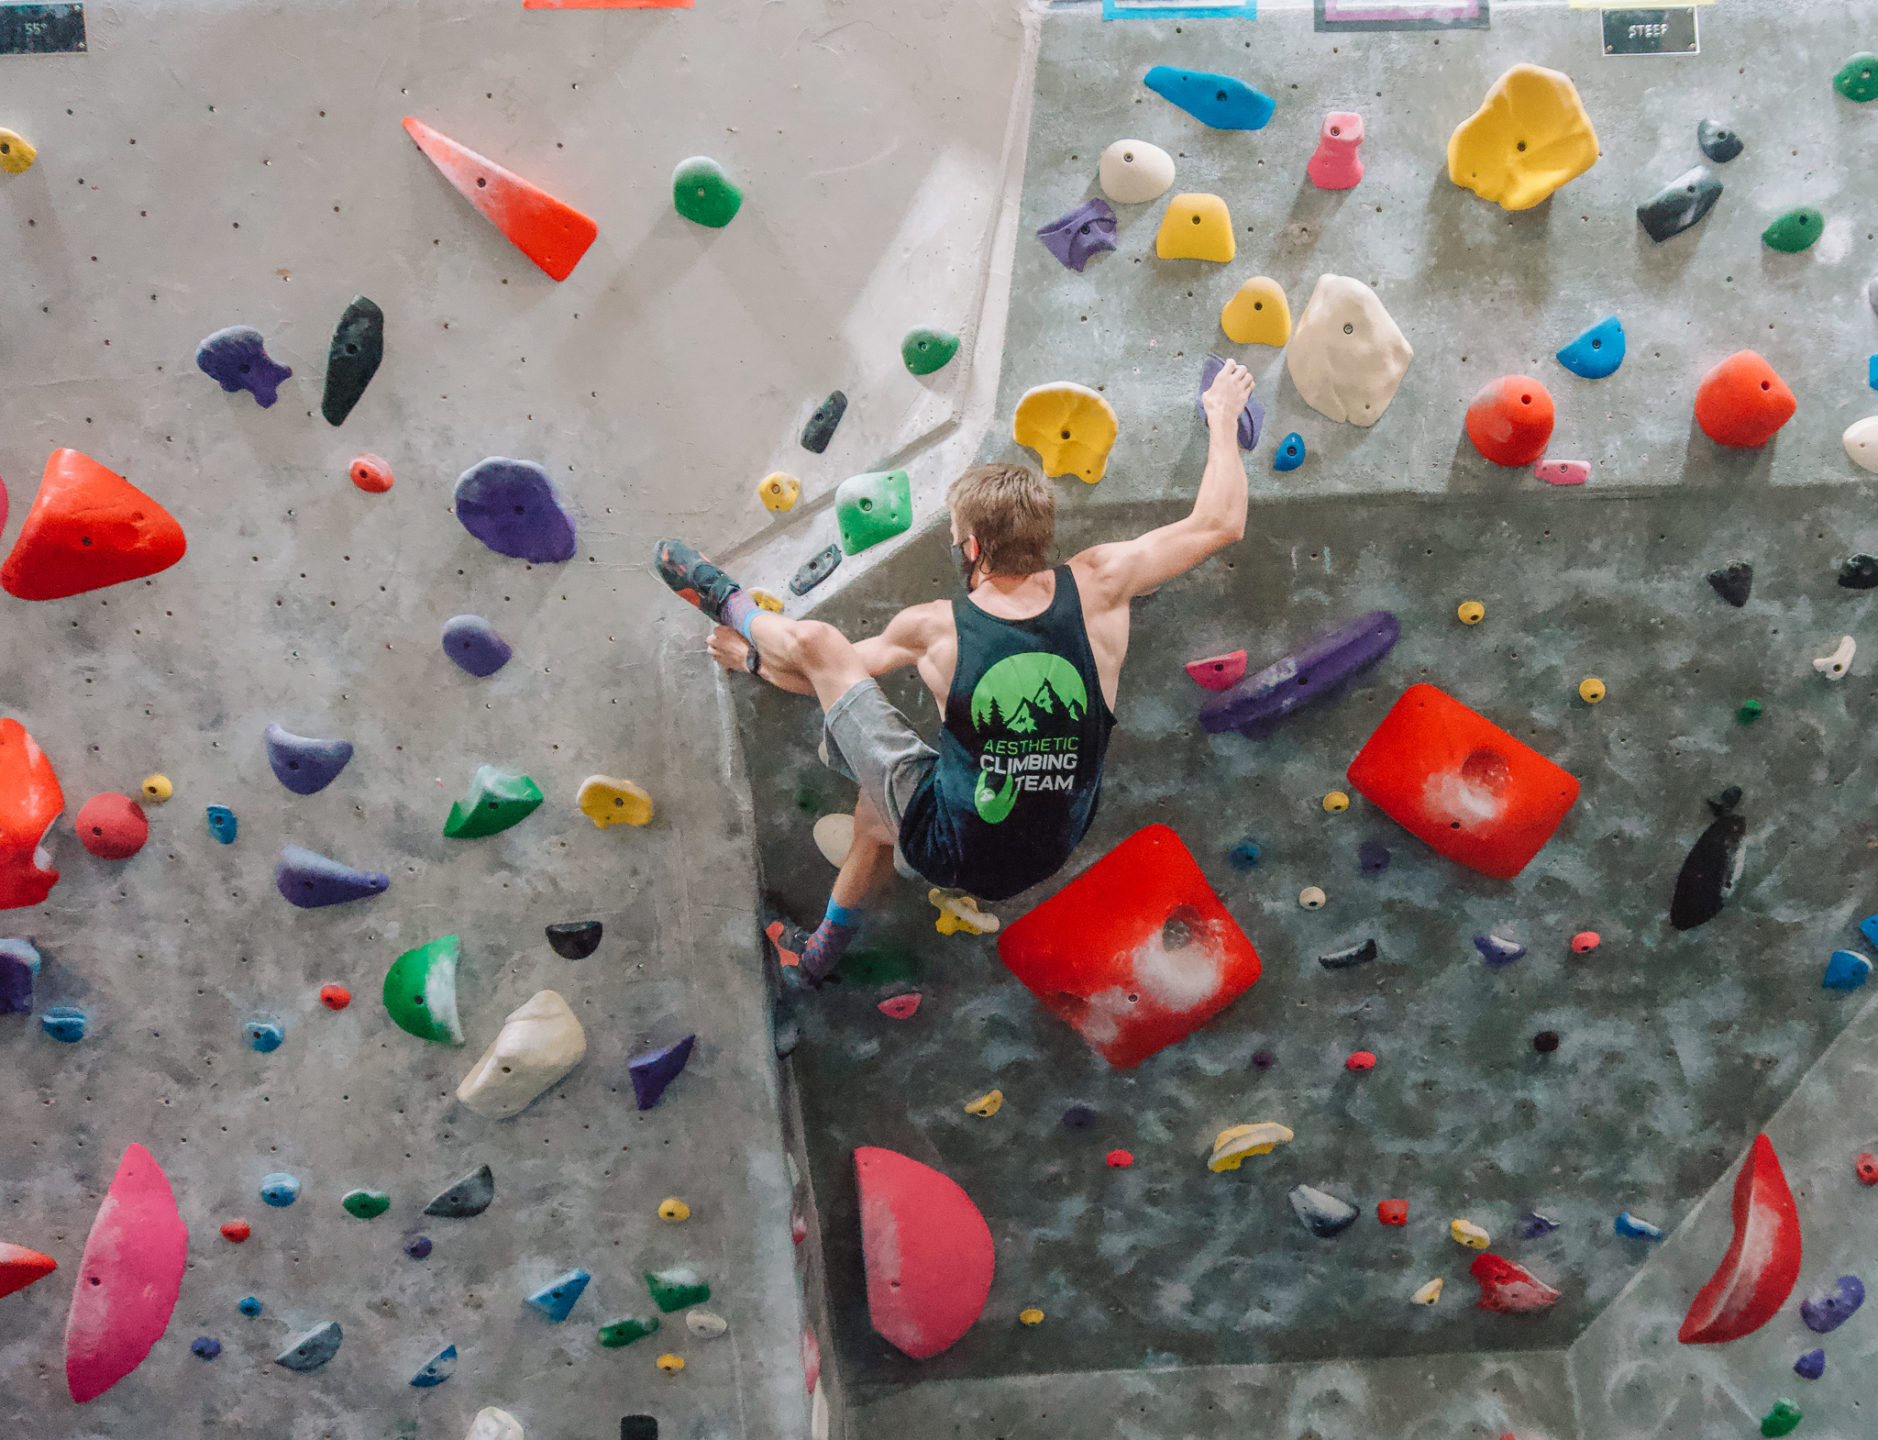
<point x="811" y="1359"/>
<point x="1510" y="1289"/>
<point x="30" y="802"/>
<point x="1337" y="165"/>
<point x="1585" y="941"/>
<point x="900" y="1007"/>
<point x="20" y="1267"/>
<point x="128" y="1280"/>
<point x="112" y="826"/>
<point x="1564" y="472"/>
<point x="926" y="1249"/>
<point x="1218" y="672"/>
<point x="1762" y="1264"/>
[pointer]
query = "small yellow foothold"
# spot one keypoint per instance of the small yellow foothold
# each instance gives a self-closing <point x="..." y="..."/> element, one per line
<point x="1312" y="898"/>
<point x="778" y="491"/>
<point x="157" y="788"/>
<point x="1236" y="1142"/>
<point x="674" y="1210"/>
<point x="1030" y="1316"/>
<point x="607" y="801"/>
<point x="766" y="601"/>
<point x="1196" y="227"/>
<point x="1465" y="1232"/>
<point x="16" y="153"/>
<point x="1070" y="426"/>
<point x="1335" y="802"/>
<point x="1529" y="136"/>
<point x="1591" y="689"/>
<point x="986" y="1105"/>
<point x="958" y="911"/>
<point x="1428" y="1294"/>
<point x="1472" y="612"/>
<point x="671" y="1364"/>
<point x="1258" y="315"/>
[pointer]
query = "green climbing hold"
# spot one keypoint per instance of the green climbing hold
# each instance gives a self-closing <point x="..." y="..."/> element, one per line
<point x="928" y="349"/>
<point x="1781" y="1419"/>
<point x="1795" y="230"/>
<point x="676" y="1289"/>
<point x="872" y="508"/>
<point x="496" y="800"/>
<point x="703" y="193"/>
<point x="1858" y="78"/>
<point x="420" y="991"/>
<point x="366" y="1204"/>
<point x="616" y="1333"/>
<point x="1749" y="712"/>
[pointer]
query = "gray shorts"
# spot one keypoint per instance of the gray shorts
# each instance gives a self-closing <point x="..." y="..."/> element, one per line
<point x="874" y="745"/>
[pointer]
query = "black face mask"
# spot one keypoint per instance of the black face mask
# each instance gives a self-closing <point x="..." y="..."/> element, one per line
<point x="966" y="567"/>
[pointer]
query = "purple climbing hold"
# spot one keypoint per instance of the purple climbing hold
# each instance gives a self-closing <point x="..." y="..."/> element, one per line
<point x="1373" y="857"/>
<point x="1497" y="950"/>
<point x="1535" y="1225"/>
<point x="237" y="359"/>
<point x="1084" y="232"/>
<point x="19" y="963"/>
<point x="473" y="644"/>
<point x="1255" y="706"/>
<point x="310" y="881"/>
<point x="511" y="506"/>
<point x="654" y="1070"/>
<point x="417" y="1247"/>
<point x="1251" y="419"/>
<point x="205" y="1347"/>
<point x="1811" y="1365"/>
<point x="1263" y="1060"/>
<point x="1826" y="1310"/>
<point x="305" y="766"/>
<point x="1079" y="1117"/>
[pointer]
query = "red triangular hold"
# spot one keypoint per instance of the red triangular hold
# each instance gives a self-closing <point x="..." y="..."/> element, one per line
<point x="19" y="1267"/>
<point x="551" y="234"/>
<point x="88" y="528"/>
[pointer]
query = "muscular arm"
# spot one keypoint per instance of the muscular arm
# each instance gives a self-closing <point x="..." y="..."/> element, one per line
<point x="904" y="642"/>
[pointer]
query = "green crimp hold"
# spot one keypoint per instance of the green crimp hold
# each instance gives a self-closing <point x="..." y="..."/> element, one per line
<point x="1795" y="230"/>
<point x="1858" y="78"/>
<point x="1781" y="1419"/>
<point x="928" y="349"/>
<point x="366" y="1204"/>
<point x="420" y="991"/>
<point x="703" y="193"/>
<point x="676" y="1289"/>
<point x="871" y="508"/>
<point x="616" y="1333"/>
<point x="1749" y="712"/>
<point x="496" y="800"/>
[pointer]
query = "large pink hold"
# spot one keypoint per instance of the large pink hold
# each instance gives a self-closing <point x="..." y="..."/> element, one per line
<point x="128" y="1280"/>
<point x="1758" y="1273"/>
<point x="1336" y="165"/>
<point x="926" y="1249"/>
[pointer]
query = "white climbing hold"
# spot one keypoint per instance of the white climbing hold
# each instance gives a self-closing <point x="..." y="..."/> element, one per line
<point x="537" y="1045"/>
<point x="1835" y="665"/>
<point x="1235" y="1142"/>
<point x="1134" y="172"/>
<point x="1429" y="1293"/>
<point x="1861" y="443"/>
<point x="705" y="1325"/>
<point x="494" y="1424"/>
<point x="1312" y="897"/>
<point x="1346" y="355"/>
<point x="834" y="837"/>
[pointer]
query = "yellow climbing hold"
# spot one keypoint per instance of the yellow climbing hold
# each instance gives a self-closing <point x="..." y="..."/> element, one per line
<point x="1472" y="612"/>
<point x="1195" y="227"/>
<point x="1529" y="136"/>
<point x="1466" y="1232"/>
<point x="1428" y="1294"/>
<point x="986" y="1105"/>
<point x="16" y="153"/>
<point x="1070" y="426"/>
<point x="1030" y="1315"/>
<point x="1236" y="1142"/>
<point x="1258" y="314"/>
<point x="1335" y="802"/>
<point x="778" y="490"/>
<point x="1591" y="689"/>
<point x="958" y="911"/>
<point x="674" y="1210"/>
<point x="607" y="801"/>
<point x="157" y="788"/>
<point x="671" y="1364"/>
<point x="766" y="601"/>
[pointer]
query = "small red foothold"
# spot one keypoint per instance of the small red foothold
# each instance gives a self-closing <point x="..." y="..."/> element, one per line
<point x="1120" y="1159"/>
<point x="798" y="1229"/>
<point x="335" y="997"/>
<point x="1218" y="672"/>
<point x="1392" y="1212"/>
<point x="1361" y="1060"/>
<point x="370" y="473"/>
<point x="1510" y="420"/>
<point x="1867" y="1167"/>
<point x="1585" y="941"/>
<point x="111" y="826"/>
<point x="900" y="1007"/>
<point x="235" y="1231"/>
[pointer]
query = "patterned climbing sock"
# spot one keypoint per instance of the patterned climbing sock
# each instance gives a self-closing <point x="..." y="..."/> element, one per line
<point x="824" y="949"/>
<point x="697" y="581"/>
<point x="738" y="611"/>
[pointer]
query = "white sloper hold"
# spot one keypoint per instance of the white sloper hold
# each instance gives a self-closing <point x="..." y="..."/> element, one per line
<point x="536" y="1046"/>
<point x="1346" y="355"/>
<point x="1134" y="172"/>
<point x="494" y="1424"/>
<point x="1861" y="443"/>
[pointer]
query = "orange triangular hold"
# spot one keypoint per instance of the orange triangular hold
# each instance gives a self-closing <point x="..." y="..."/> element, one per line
<point x="19" y="1267"/>
<point x="551" y="234"/>
<point x="88" y="528"/>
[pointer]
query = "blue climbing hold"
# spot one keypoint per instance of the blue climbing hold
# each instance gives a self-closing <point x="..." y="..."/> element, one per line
<point x="556" y="1298"/>
<point x="1497" y="950"/>
<point x="473" y="644"/>
<point x="1080" y="235"/>
<point x="1372" y="856"/>
<point x="1871" y="372"/>
<point x="237" y="358"/>
<point x="1251" y="418"/>
<point x="223" y="825"/>
<point x="1245" y="855"/>
<point x="1535" y="1225"/>
<point x="1631" y="1228"/>
<point x="1596" y="353"/>
<point x="205" y="1347"/>
<point x="511" y="506"/>
<point x="62" y="1022"/>
<point x="263" y="1035"/>
<point x="417" y="1247"/>
<point x="305" y="766"/>
<point x="1811" y="1365"/>
<point x="310" y="881"/>
<point x="1221" y="101"/>
<point x="440" y="1368"/>
<point x="655" y="1069"/>
<point x="19" y="964"/>
<point x="1868" y="927"/>
<point x="249" y="1306"/>
<point x="1846" y="970"/>
<point x="279" y="1189"/>
<point x="313" y="1349"/>
<point x="1290" y="452"/>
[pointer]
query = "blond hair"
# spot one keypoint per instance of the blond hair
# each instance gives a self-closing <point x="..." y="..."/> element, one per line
<point x="1011" y="511"/>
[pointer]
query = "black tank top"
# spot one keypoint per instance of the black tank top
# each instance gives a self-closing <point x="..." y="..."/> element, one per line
<point x="1020" y="757"/>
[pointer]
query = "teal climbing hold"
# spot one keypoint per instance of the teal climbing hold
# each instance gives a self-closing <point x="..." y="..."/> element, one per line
<point x="1221" y="101"/>
<point x="496" y="800"/>
<point x="365" y="1204"/>
<point x="420" y="991"/>
<point x="703" y="193"/>
<point x="1598" y="352"/>
<point x="64" y="1023"/>
<point x="872" y="508"/>
<point x="263" y="1035"/>
<point x="279" y="1189"/>
<point x="1846" y="970"/>
<point x="313" y="1349"/>
<point x="1794" y="230"/>
<point x="676" y="1289"/>
<point x="927" y="349"/>
<point x="1858" y="77"/>
<point x="615" y="1333"/>
<point x="1290" y="452"/>
<point x="222" y="824"/>
<point x="249" y="1306"/>
<point x="439" y="1368"/>
<point x="556" y="1298"/>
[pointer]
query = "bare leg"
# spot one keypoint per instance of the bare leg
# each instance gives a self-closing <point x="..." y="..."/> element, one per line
<point x="819" y="653"/>
<point x="870" y="858"/>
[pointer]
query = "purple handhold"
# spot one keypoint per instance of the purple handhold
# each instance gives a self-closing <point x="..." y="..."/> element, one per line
<point x="1811" y="1365"/>
<point x="510" y="506"/>
<point x="1496" y="950"/>
<point x="1373" y="857"/>
<point x="472" y="642"/>
<point x="1535" y="1225"/>
<point x="1826" y="1310"/>
<point x="19" y="963"/>
<point x="1087" y="230"/>
<point x="654" y="1070"/>
<point x="1255" y="706"/>
<point x="236" y="358"/>
<point x="310" y="880"/>
<point x="1263" y="1060"/>
<point x="1251" y="419"/>
<point x="305" y="766"/>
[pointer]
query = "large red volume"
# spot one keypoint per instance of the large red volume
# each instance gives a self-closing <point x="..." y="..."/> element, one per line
<point x="1510" y="420"/>
<point x="1742" y="402"/>
<point x="30" y="800"/>
<point x="926" y="1249"/>
<point x="88" y="528"/>
<point x="1456" y="780"/>
<point x="1136" y="952"/>
<point x="128" y="1280"/>
<point x="551" y="234"/>
<point x="1763" y="1262"/>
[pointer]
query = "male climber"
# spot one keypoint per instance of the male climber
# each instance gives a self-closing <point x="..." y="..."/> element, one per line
<point x="1024" y="666"/>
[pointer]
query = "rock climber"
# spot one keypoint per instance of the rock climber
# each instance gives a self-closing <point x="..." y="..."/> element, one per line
<point x="1024" y="665"/>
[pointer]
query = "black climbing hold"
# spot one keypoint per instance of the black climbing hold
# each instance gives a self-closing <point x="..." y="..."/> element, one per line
<point x="1545" y="1042"/>
<point x="816" y="569"/>
<point x="821" y="427"/>
<point x="1079" y="1117"/>
<point x="358" y="345"/>
<point x="1373" y="857"/>
<point x="575" y="939"/>
<point x="1350" y="958"/>
<point x="1713" y="869"/>
<point x="1859" y="573"/>
<point x="638" y="1427"/>
<point x="1681" y="203"/>
<point x="1732" y="582"/>
<point x="1718" y="142"/>
<point x="469" y="1196"/>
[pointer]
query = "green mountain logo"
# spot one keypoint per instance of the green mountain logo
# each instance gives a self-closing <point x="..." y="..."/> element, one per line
<point x="1035" y="693"/>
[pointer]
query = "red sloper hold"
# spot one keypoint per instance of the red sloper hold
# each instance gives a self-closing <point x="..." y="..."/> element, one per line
<point x="88" y="528"/>
<point x="1136" y="952"/>
<point x="1510" y="1289"/>
<point x="926" y="1249"/>
<point x="111" y="826"/>
<point x="128" y="1280"/>
<point x="1742" y="402"/>
<point x="1510" y="420"/>
<point x="30" y="802"/>
<point x="1763" y="1262"/>
<point x="1456" y="780"/>
<point x="19" y="1267"/>
<point x="551" y="234"/>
